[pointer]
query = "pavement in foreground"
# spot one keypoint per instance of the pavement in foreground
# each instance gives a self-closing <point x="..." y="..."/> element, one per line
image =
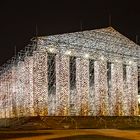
<point x="113" y="134"/>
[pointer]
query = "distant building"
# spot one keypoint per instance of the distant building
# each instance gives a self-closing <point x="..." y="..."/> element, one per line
<point x="87" y="73"/>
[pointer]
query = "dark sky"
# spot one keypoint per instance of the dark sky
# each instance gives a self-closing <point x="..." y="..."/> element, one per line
<point x="18" y="20"/>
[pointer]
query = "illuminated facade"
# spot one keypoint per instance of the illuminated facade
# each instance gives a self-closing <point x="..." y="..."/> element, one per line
<point x="88" y="73"/>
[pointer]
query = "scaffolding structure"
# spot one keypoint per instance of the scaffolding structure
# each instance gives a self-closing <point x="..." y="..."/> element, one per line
<point x="68" y="75"/>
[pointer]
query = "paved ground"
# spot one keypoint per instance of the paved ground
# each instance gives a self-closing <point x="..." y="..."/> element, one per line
<point x="89" y="134"/>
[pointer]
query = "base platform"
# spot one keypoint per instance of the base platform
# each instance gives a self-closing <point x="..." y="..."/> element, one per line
<point x="71" y="122"/>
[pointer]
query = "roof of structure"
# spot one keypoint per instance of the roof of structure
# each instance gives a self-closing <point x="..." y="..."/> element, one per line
<point x="103" y="34"/>
<point x="104" y="39"/>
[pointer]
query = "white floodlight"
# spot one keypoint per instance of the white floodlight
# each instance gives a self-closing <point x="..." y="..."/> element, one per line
<point x="102" y="58"/>
<point x="52" y="50"/>
<point x="68" y="52"/>
<point x="86" y="55"/>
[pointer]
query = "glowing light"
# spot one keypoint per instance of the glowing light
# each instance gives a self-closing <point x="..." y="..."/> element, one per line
<point x="40" y="83"/>
<point x="139" y="99"/>
<point x="102" y="58"/>
<point x="82" y="85"/>
<point x="62" y="89"/>
<point x="52" y="50"/>
<point x="68" y="52"/>
<point x="118" y="61"/>
<point x="130" y="62"/>
<point x="86" y="55"/>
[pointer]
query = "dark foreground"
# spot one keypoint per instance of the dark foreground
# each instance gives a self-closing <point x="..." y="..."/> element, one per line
<point x="70" y="128"/>
<point x="71" y="122"/>
<point x="79" y="134"/>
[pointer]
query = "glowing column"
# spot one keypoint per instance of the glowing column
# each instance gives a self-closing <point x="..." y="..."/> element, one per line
<point x="0" y="97"/>
<point x="3" y="96"/>
<point x="132" y="89"/>
<point x="82" y="85"/>
<point x="134" y="96"/>
<point x="20" y="96"/>
<point x="116" y="94"/>
<point x="29" y="86"/>
<point x="6" y="94"/>
<point x="57" y="105"/>
<point x="10" y="92"/>
<point x="62" y="84"/>
<point x="101" y="94"/>
<point x="40" y="83"/>
<point x="14" y="91"/>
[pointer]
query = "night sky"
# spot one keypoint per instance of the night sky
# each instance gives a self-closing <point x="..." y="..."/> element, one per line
<point x="18" y="20"/>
